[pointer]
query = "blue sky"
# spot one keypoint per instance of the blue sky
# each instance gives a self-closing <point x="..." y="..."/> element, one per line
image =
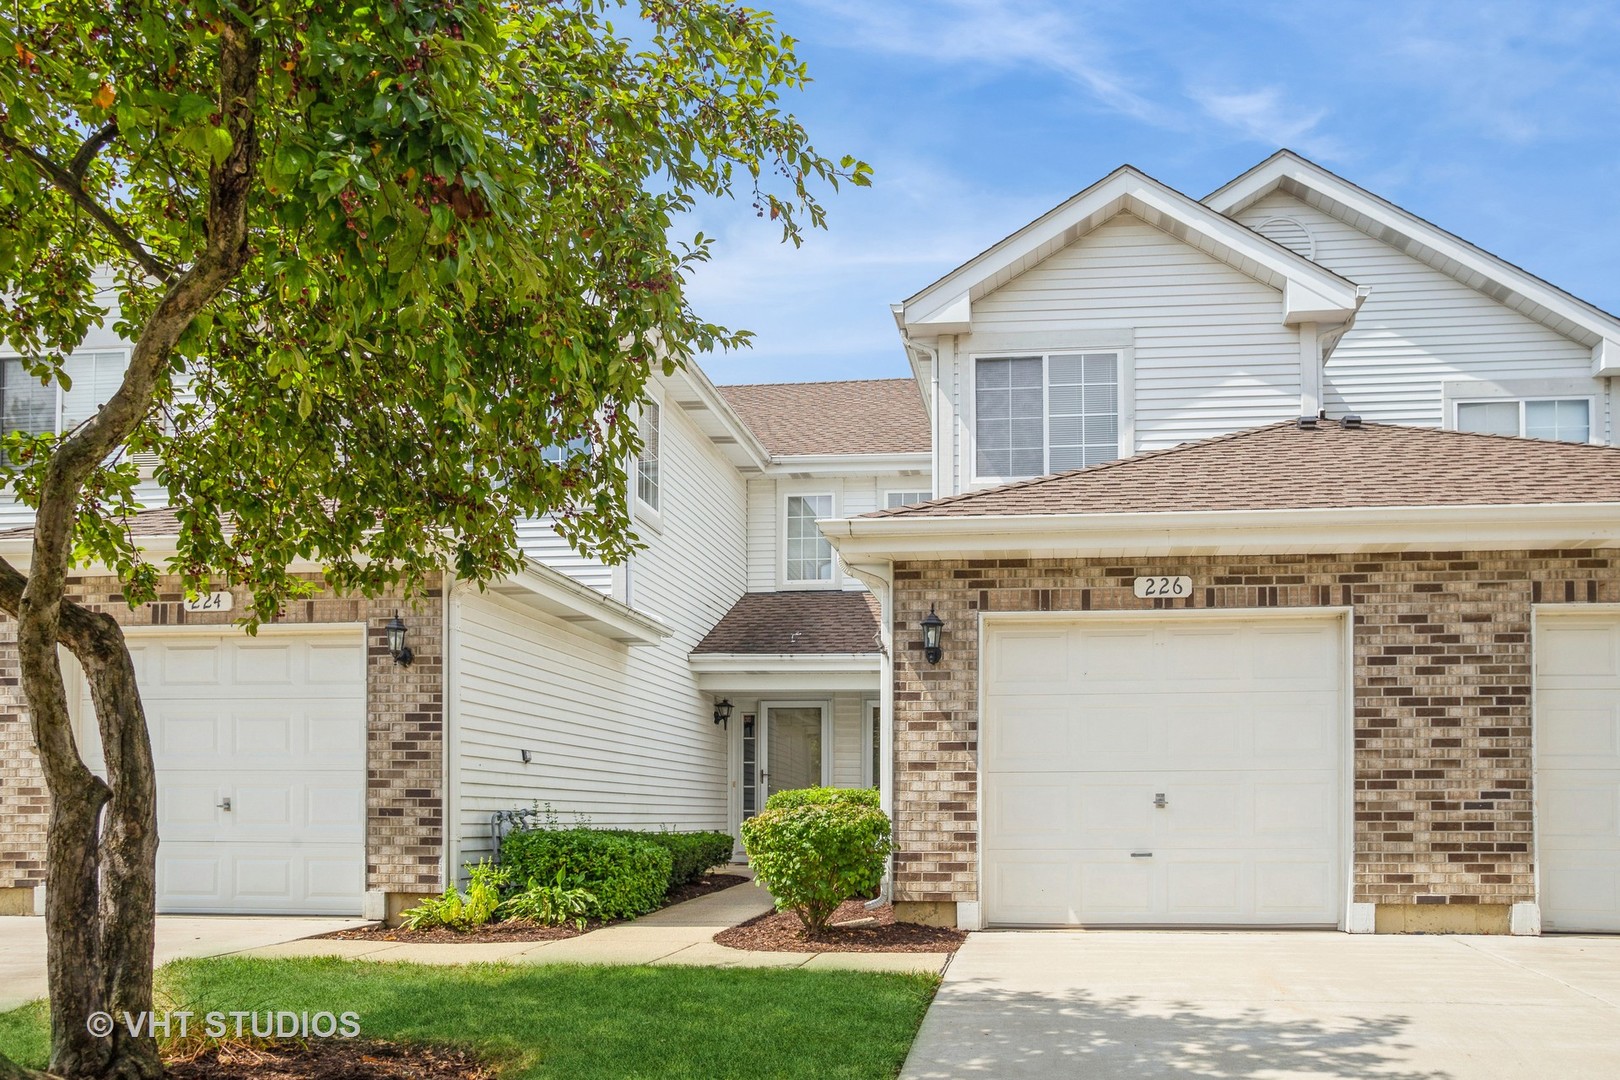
<point x="1497" y="120"/>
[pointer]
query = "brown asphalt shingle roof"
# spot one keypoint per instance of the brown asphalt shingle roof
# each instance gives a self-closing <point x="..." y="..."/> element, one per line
<point x="1282" y="467"/>
<point x="862" y="416"/>
<point x="796" y="622"/>
<point x="159" y="521"/>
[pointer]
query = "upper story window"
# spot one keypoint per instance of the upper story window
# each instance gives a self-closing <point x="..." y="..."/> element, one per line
<point x="809" y="554"/>
<point x="1041" y="414"/>
<point x="38" y="408"/>
<point x="649" y="482"/>
<point x="893" y="499"/>
<point x="1563" y="419"/>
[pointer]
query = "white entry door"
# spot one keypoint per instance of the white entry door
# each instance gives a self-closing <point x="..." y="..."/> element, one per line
<point x="260" y="747"/>
<point x="1577" y="735"/>
<point x="794" y="747"/>
<point x="1168" y="771"/>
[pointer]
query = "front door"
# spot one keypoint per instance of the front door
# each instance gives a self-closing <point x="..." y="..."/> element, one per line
<point x="790" y="744"/>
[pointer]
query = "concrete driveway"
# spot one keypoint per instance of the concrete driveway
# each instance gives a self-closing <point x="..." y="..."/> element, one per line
<point x="22" y="944"/>
<point x="1100" y="1005"/>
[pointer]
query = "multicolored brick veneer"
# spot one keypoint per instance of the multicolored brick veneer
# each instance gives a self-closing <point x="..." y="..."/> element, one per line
<point x="404" y="724"/>
<point x="1442" y="643"/>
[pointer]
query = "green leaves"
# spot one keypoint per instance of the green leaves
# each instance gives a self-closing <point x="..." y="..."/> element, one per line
<point x="459" y="257"/>
<point x="817" y="847"/>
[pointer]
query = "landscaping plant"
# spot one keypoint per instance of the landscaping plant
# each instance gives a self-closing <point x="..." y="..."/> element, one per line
<point x="376" y="263"/>
<point x="626" y="874"/>
<point x="691" y="854"/>
<point x="550" y="905"/>
<point x="816" y="848"/>
<point x="458" y="912"/>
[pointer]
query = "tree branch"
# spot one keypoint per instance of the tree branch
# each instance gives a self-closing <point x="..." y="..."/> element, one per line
<point x="68" y="183"/>
<point x="92" y="146"/>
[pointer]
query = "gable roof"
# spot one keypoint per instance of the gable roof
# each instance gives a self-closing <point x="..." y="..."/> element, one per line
<point x="1429" y="243"/>
<point x="1311" y="292"/>
<point x="1284" y="467"/>
<point x="780" y="623"/>
<point x="864" y="416"/>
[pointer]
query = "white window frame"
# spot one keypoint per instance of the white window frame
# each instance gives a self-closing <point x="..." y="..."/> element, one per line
<point x="648" y="514"/>
<point x="57" y="386"/>
<point x="888" y="492"/>
<point x="1456" y="393"/>
<point x="785" y="582"/>
<point x="1124" y="407"/>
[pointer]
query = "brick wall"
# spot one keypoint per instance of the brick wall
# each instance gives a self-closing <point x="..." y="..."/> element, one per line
<point x="404" y="732"/>
<point x="1442" y="667"/>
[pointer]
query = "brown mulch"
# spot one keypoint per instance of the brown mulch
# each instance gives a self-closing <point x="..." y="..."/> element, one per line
<point x="781" y="931"/>
<point x="326" y="1059"/>
<point x="515" y="930"/>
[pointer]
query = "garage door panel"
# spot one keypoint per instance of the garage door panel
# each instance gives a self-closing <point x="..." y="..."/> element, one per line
<point x="341" y="664"/>
<point x="208" y="878"/>
<point x="1577" y="733"/>
<point x="1237" y="724"/>
<point x="195" y="664"/>
<point x="1030" y="658"/>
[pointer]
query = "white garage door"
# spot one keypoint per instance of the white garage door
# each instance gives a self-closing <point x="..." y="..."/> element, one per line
<point x="260" y="745"/>
<point x="1179" y="771"/>
<point x="1577" y="732"/>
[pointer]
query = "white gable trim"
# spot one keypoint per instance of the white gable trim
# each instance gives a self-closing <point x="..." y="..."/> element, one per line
<point x="1311" y="293"/>
<point x="1430" y="244"/>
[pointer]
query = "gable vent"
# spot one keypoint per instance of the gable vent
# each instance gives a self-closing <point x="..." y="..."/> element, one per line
<point x="1290" y="233"/>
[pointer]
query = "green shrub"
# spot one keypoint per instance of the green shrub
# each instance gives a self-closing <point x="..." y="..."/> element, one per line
<point x="549" y="905"/>
<point x="814" y="853"/>
<point x="691" y="854"/>
<point x="824" y="796"/>
<point x="626" y="875"/>
<point x="459" y="912"/>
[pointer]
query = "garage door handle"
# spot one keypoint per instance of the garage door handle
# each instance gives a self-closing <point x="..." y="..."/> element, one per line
<point x="1159" y="800"/>
<point x="224" y="804"/>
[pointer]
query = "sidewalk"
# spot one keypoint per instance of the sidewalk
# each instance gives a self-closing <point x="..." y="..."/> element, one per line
<point x="681" y="934"/>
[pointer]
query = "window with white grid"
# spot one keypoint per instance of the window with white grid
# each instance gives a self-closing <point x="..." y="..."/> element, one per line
<point x="1043" y="414"/>
<point x="809" y="554"/>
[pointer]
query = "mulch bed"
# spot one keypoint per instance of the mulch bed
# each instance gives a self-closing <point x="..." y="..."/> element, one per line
<point x="513" y="930"/>
<point x="783" y="932"/>
<point x="326" y="1059"/>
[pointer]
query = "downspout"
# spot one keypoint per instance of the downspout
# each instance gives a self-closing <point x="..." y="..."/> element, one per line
<point x="934" y="411"/>
<point x="880" y="579"/>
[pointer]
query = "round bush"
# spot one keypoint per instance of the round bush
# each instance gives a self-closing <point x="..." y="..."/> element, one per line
<point x="823" y="796"/>
<point x="813" y="854"/>
<point x="625" y="874"/>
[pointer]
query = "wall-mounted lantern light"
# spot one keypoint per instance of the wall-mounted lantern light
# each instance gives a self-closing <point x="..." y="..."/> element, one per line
<point x="933" y="627"/>
<point x="722" y="713"/>
<point x="396" y="642"/>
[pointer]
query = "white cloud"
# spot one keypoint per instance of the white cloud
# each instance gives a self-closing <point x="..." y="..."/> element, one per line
<point x="1265" y="116"/>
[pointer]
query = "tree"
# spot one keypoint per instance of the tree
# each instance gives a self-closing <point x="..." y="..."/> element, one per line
<point x="395" y="273"/>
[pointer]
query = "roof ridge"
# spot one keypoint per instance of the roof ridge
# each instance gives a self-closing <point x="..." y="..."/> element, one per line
<point x="814" y="382"/>
<point x="1092" y="470"/>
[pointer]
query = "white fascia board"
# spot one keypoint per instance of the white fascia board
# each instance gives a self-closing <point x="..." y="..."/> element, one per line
<point x="560" y="596"/>
<point x="1221" y="532"/>
<point x="1606" y="358"/>
<point x="1264" y="178"/>
<point x="945" y="307"/>
<point x="785" y="661"/>
<point x="786" y="674"/>
<point x="849" y="464"/>
<point x="751" y="451"/>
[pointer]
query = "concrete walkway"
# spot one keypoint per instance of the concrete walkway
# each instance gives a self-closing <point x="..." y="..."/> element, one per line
<point x="681" y="934"/>
<point x="22" y="944"/>
<point x="1102" y="1005"/>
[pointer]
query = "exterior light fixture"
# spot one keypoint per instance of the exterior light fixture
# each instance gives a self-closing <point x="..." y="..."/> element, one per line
<point x="396" y="642"/>
<point x="722" y="713"/>
<point x="932" y="627"/>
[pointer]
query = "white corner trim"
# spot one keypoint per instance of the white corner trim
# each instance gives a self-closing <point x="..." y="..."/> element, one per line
<point x="969" y="915"/>
<point x="1524" y="919"/>
<point x="374" y="907"/>
<point x="1361" y="919"/>
<point x="39" y="900"/>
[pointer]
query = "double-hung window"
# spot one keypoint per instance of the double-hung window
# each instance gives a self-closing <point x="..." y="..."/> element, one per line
<point x="38" y="408"/>
<point x="809" y="556"/>
<point x="1562" y="419"/>
<point x="1043" y="414"/>
<point x="649" y="482"/>
<point x="892" y="499"/>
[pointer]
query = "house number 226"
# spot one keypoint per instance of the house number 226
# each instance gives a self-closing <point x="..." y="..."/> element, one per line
<point x="1155" y="587"/>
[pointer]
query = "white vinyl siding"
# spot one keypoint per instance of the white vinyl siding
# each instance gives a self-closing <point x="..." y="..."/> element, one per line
<point x="1208" y="353"/>
<point x="767" y="506"/>
<point x="1421" y="329"/>
<point x="540" y="542"/>
<point x="621" y="735"/>
<point x="1566" y="420"/>
<point x="808" y="555"/>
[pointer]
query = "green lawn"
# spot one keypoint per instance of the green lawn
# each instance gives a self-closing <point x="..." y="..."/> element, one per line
<point x="575" y="1021"/>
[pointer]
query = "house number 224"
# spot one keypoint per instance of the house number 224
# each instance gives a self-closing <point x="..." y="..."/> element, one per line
<point x="1155" y="587"/>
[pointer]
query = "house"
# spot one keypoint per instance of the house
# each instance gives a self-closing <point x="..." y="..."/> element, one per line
<point x="1271" y="542"/>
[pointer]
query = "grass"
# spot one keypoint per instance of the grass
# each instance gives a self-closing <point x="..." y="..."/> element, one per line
<point x="576" y="1022"/>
